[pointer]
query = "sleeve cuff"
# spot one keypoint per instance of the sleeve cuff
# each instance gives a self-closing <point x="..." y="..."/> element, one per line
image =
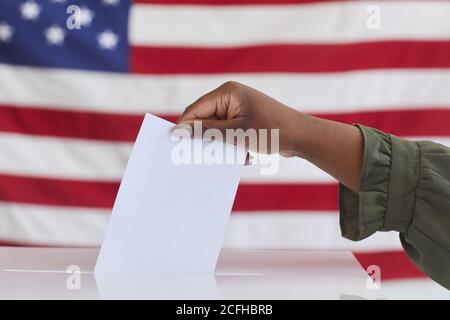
<point x="389" y="177"/>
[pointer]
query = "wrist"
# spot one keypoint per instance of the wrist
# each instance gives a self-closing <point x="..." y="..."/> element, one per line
<point x="292" y="134"/>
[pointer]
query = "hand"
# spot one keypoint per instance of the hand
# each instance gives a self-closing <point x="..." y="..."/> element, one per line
<point x="334" y="147"/>
<point x="237" y="106"/>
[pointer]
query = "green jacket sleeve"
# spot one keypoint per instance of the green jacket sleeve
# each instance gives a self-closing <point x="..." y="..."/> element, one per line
<point x="404" y="187"/>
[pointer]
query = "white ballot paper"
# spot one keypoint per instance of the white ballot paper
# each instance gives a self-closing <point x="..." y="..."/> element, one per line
<point x="169" y="218"/>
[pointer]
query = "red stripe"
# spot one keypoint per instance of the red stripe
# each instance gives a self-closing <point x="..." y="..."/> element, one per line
<point x="250" y="197"/>
<point x="291" y="58"/>
<point x="275" y="197"/>
<point x="48" y="191"/>
<point x="393" y="264"/>
<point x="121" y="127"/>
<point x="420" y="122"/>
<point x="71" y="124"/>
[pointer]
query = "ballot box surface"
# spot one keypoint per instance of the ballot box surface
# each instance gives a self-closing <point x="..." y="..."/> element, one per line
<point x="67" y="273"/>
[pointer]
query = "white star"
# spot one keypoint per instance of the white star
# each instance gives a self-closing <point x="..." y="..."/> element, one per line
<point x="108" y="40"/>
<point x="5" y="32"/>
<point x="110" y="2"/>
<point x="55" y="35"/>
<point x="30" y="10"/>
<point x="86" y="16"/>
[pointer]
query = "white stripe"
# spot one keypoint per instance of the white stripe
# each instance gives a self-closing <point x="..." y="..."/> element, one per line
<point x="69" y="226"/>
<point x="52" y="225"/>
<point x="61" y="158"/>
<point x="29" y="155"/>
<point x="334" y="22"/>
<point x="294" y="170"/>
<point x="318" y="230"/>
<point x="108" y="92"/>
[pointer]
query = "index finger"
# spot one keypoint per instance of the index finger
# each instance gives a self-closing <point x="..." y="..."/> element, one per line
<point x="206" y="107"/>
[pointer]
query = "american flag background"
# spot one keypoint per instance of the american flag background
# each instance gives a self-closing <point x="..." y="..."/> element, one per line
<point x="72" y="101"/>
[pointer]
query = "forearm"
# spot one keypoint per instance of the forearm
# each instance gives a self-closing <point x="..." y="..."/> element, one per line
<point x="334" y="147"/>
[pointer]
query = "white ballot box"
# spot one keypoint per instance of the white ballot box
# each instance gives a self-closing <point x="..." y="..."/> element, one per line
<point x="67" y="273"/>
